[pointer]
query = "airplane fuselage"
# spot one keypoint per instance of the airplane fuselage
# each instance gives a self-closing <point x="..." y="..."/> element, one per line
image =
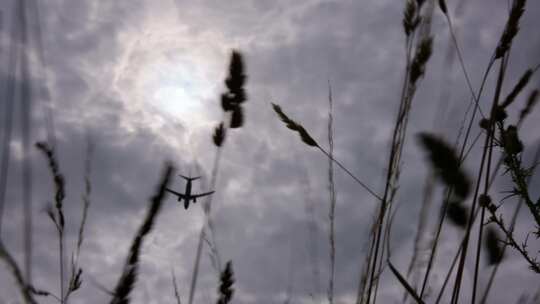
<point x="188" y="189"/>
<point x="188" y="196"/>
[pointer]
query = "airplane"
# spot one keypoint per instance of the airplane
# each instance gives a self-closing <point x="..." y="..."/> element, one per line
<point x="187" y="196"/>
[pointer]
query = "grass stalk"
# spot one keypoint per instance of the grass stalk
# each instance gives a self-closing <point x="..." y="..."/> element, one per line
<point x="23" y="286"/>
<point x="332" y="193"/>
<point x="175" y="286"/>
<point x="76" y="272"/>
<point x="9" y="97"/>
<point x="365" y="270"/>
<point x="226" y="291"/>
<point x="429" y="186"/>
<point x="491" y="136"/>
<point x="127" y="280"/>
<point x="462" y="157"/>
<point x="57" y="217"/>
<point x="26" y="124"/>
<point x="207" y="210"/>
<point x="486" y="158"/>
<point x="511" y="230"/>
<point x="475" y="99"/>
<point x="231" y="102"/>
<point x="312" y="247"/>
<point x="413" y="73"/>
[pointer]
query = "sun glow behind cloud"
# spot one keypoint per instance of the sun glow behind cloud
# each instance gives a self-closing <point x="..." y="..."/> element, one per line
<point x="172" y="72"/>
<point x="176" y="87"/>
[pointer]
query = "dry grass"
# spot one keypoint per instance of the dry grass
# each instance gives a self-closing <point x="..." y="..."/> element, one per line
<point x="466" y="202"/>
<point x="127" y="280"/>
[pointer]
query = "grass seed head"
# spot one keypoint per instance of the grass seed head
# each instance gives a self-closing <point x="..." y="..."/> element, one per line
<point x="493" y="247"/>
<point x="232" y="100"/>
<point x="457" y="214"/>
<point x="219" y="135"/>
<point x="423" y="53"/>
<point x="511" y="29"/>
<point x="58" y="178"/>
<point x="523" y="81"/>
<point x="442" y="5"/>
<point x="511" y="143"/>
<point x="446" y="164"/>
<point x="484" y="123"/>
<point x="226" y="282"/>
<point x="411" y="18"/>
<point x="531" y="102"/>
<point x="128" y="278"/>
<point x="237" y="118"/>
<point x="291" y="124"/>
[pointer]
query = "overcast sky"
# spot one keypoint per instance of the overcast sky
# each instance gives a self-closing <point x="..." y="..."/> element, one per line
<point x="142" y="79"/>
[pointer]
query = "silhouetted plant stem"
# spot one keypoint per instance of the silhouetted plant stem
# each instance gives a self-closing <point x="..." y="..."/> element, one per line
<point x="514" y="218"/>
<point x="519" y="176"/>
<point x="23" y="286"/>
<point x="231" y="102"/>
<point x="422" y="223"/>
<point x="58" y="217"/>
<point x="469" y="224"/>
<point x="364" y="280"/>
<point x="175" y="286"/>
<point x="332" y="192"/>
<point x="408" y="48"/>
<point x="87" y="192"/>
<point x="491" y="136"/>
<point x="461" y="61"/>
<point x="76" y="271"/>
<point x="511" y="230"/>
<point x="510" y="241"/>
<point x="207" y="210"/>
<point x="415" y="71"/>
<point x="490" y="147"/>
<point x="226" y="282"/>
<point x="308" y="140"/>
<point x="26" y="123"/>
<point x="128" y="278"/>
<point x="195" y="275"/>
<point x="350" y="174"/>
<point x="405" y="284"/>
<point x="450" y="270"/>
<point x="9" y="97"/>
<point x="397" y="274"/>
<point x="485" y="158"/>
<point x="61" y="262"/>
<point x="454" y="262"/>
<point x="462" y="157"/>
<point x="365" y="271"/>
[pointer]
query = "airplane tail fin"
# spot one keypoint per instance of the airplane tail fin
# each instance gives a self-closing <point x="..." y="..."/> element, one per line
<point x="189" y="178"/>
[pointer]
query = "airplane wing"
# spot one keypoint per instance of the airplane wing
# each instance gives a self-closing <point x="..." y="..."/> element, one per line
<point x="180" y="195"/>
<point x="201" y="194"/>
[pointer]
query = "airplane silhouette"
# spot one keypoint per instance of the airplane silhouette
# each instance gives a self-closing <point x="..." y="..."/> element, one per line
<point x="187" y="196"/>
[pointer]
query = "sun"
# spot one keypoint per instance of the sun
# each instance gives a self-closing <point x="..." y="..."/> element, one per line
<point x="177" y="87"/>
<point x="175" y="78"/>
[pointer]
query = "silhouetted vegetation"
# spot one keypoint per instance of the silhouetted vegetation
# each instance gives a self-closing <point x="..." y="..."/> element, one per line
<point x="226" y="282"/>
<point x="467" y="202"/>
<point x="127" y="280"/>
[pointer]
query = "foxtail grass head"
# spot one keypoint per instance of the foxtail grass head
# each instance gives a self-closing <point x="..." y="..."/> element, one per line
<point x="291" y="124"/>
<point x="232" y="100"/>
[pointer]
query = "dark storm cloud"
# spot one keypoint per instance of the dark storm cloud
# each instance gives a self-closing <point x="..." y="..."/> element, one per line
<point x="292" y="50"/>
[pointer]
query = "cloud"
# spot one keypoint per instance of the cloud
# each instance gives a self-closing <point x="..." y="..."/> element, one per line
<point x="107" y="61"/>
